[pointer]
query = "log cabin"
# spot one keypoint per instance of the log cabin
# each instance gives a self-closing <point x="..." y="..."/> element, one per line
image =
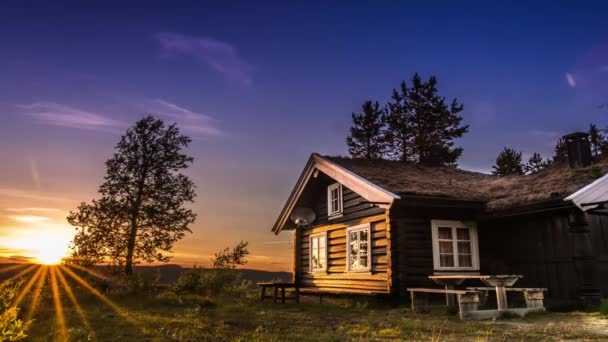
<point x="382" y="226"/>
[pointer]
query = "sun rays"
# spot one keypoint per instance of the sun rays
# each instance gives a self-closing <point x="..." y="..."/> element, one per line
<point x="58" y="281"/>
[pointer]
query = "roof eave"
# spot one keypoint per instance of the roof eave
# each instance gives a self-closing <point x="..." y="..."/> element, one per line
<point x="358" y="184"/>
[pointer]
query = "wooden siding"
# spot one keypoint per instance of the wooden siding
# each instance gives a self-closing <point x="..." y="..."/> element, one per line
<point x="412" y="242"/>
<point x="540" y="247"/>
<point x="337" y="279"/>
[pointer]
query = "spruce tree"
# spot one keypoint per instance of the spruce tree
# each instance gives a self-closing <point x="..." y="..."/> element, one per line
<point x="508" y="163"/>
<point x="561" y="152"/>
<point x="421" y="126"/>
<point x="366" y="139"/>
<point x="536" y="163"/>
<point x="599" y="143"/>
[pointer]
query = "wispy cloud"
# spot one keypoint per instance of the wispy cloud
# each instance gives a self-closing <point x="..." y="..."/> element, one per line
<point x="58" y="114"/>
<point x="32" y="209"/>
<point x="220" y="56"/>
<point x="29" y="218"/>
<point x="36" y="196"/>
<point x="34" y="172"/>
<point x="189" y="120"/>
<point x="570" y="79"/>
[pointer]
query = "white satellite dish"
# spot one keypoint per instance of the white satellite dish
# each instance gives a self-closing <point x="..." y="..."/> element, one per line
<point x="303" y="216"/>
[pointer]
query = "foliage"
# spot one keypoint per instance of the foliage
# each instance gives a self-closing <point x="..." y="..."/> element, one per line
<point x="560" y="151"/>
<point x="536" y="163"/>
<point x="141" y="212"/>
<point x="230" y="259"/>
<point x="604" y="307"/>
<point x="599" y="142"/>
<point x="222" y="279"/>
<point x="11" y="327"/>
<point x="140" y="283"/>
<point x="421" y="127"/>
<point x="366" y="139"/>
<point x="508" y="162"/>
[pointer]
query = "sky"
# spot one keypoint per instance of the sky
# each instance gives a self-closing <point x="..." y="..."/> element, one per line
<point x="261" y="85"/>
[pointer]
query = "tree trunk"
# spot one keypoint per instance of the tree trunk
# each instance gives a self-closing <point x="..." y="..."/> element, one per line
<point x="131" y="247"/>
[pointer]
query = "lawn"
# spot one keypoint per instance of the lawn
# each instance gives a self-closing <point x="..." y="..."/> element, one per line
<point x="194" y="318"/>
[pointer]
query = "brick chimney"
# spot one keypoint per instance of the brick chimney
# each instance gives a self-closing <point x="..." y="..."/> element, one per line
<point x="578" y="148"/>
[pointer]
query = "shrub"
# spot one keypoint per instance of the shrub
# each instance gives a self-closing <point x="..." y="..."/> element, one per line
<point x="11" y="327"/>
<point x="140" y="282"/>
<point x="604" y="307"/>
<point x="222" y="279"/>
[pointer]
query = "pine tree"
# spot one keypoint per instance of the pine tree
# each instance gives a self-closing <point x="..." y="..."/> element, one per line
<point x="421" y="126"/>
<point x="536" y="163"/>
<point x="508" y="163"/>
<point x="561" y="152"/>
<point x="599" y="142"/>
<point x="366" y="139"/>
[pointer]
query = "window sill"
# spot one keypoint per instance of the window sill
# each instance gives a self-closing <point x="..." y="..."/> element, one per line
<point x="320" y="272"/>
<point x="334" y="216"/>
<point x="365" y="272"/>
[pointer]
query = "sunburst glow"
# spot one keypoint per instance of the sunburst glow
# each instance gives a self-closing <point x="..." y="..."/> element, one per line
<point x="32" y="296"/>
<point x="44" y="245"/>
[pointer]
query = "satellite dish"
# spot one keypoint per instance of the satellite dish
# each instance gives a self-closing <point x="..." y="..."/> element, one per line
<point x="303" y="216"/>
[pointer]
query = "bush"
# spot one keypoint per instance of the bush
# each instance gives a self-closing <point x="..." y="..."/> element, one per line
<point x="604" y="307"/>
<point x="222" y="279"/>
<point x="11" y="327"/>
<point x="140" y="282"/>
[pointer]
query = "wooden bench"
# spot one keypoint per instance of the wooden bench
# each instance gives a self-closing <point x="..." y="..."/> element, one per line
<point x="275" y="294"/>
<point x="468" y="300"/>
<point x="313" y="291"/>
<point x="533" y="296"/>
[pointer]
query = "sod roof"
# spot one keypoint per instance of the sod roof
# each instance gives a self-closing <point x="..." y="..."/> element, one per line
<point x="555" y="182"/>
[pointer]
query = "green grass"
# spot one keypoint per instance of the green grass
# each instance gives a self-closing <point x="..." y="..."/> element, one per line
<point x="192" y="318"/>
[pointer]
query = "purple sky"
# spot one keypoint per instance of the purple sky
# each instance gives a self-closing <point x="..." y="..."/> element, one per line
<point x="261" y="86"/>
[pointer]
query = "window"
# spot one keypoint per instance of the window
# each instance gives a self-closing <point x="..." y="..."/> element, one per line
<point x="358" y="246"/>
<point x="318" y="252"/>
<point x="455" y="245"/>
<point x="334" y="200"/>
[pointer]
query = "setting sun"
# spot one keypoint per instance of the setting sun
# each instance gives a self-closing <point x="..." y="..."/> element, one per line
<point x="51" y="256"/>
<point x="46" y="244"/>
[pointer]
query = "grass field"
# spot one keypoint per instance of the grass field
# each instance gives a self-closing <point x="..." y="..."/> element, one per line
<point x="60" y="308"/>
<point x="192" y="318"/>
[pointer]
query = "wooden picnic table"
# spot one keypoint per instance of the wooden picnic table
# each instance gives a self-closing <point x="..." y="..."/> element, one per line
<point x="276" y="286"/>
<point x="500" y="282"/>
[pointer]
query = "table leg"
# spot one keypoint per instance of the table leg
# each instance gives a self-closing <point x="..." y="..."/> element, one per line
<point x="501" y="297"/>
<point x="276" y="294"/>
<point x="450" y="299"/>
<point x="263" y="294"/>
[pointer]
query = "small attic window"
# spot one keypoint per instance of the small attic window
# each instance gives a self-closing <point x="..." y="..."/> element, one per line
<point x="334" y="200"/>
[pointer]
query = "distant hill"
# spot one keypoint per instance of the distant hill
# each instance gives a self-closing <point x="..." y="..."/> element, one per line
<point x="170" y="273"/>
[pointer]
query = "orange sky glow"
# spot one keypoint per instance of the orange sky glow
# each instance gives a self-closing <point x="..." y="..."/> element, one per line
<point x="33" y="210"/>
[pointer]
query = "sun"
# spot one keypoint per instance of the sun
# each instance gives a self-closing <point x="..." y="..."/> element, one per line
<point x="50" y="255"/>
<point x="46" y="245"/>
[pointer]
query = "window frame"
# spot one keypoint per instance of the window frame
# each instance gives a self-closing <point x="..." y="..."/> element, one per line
<point x="454" y="225"/>
<point x="359" y="227"/>
<point x="310" y="238"/>
<point x="330" y="189"/>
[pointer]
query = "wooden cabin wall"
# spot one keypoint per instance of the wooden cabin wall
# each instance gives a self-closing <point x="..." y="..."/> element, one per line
<point x="337" y="279"/>
<point x="536" y="246"/>
<point x="355" y="211"/>
<point x="599" y="239"/>
<point x="412" y="242"/>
